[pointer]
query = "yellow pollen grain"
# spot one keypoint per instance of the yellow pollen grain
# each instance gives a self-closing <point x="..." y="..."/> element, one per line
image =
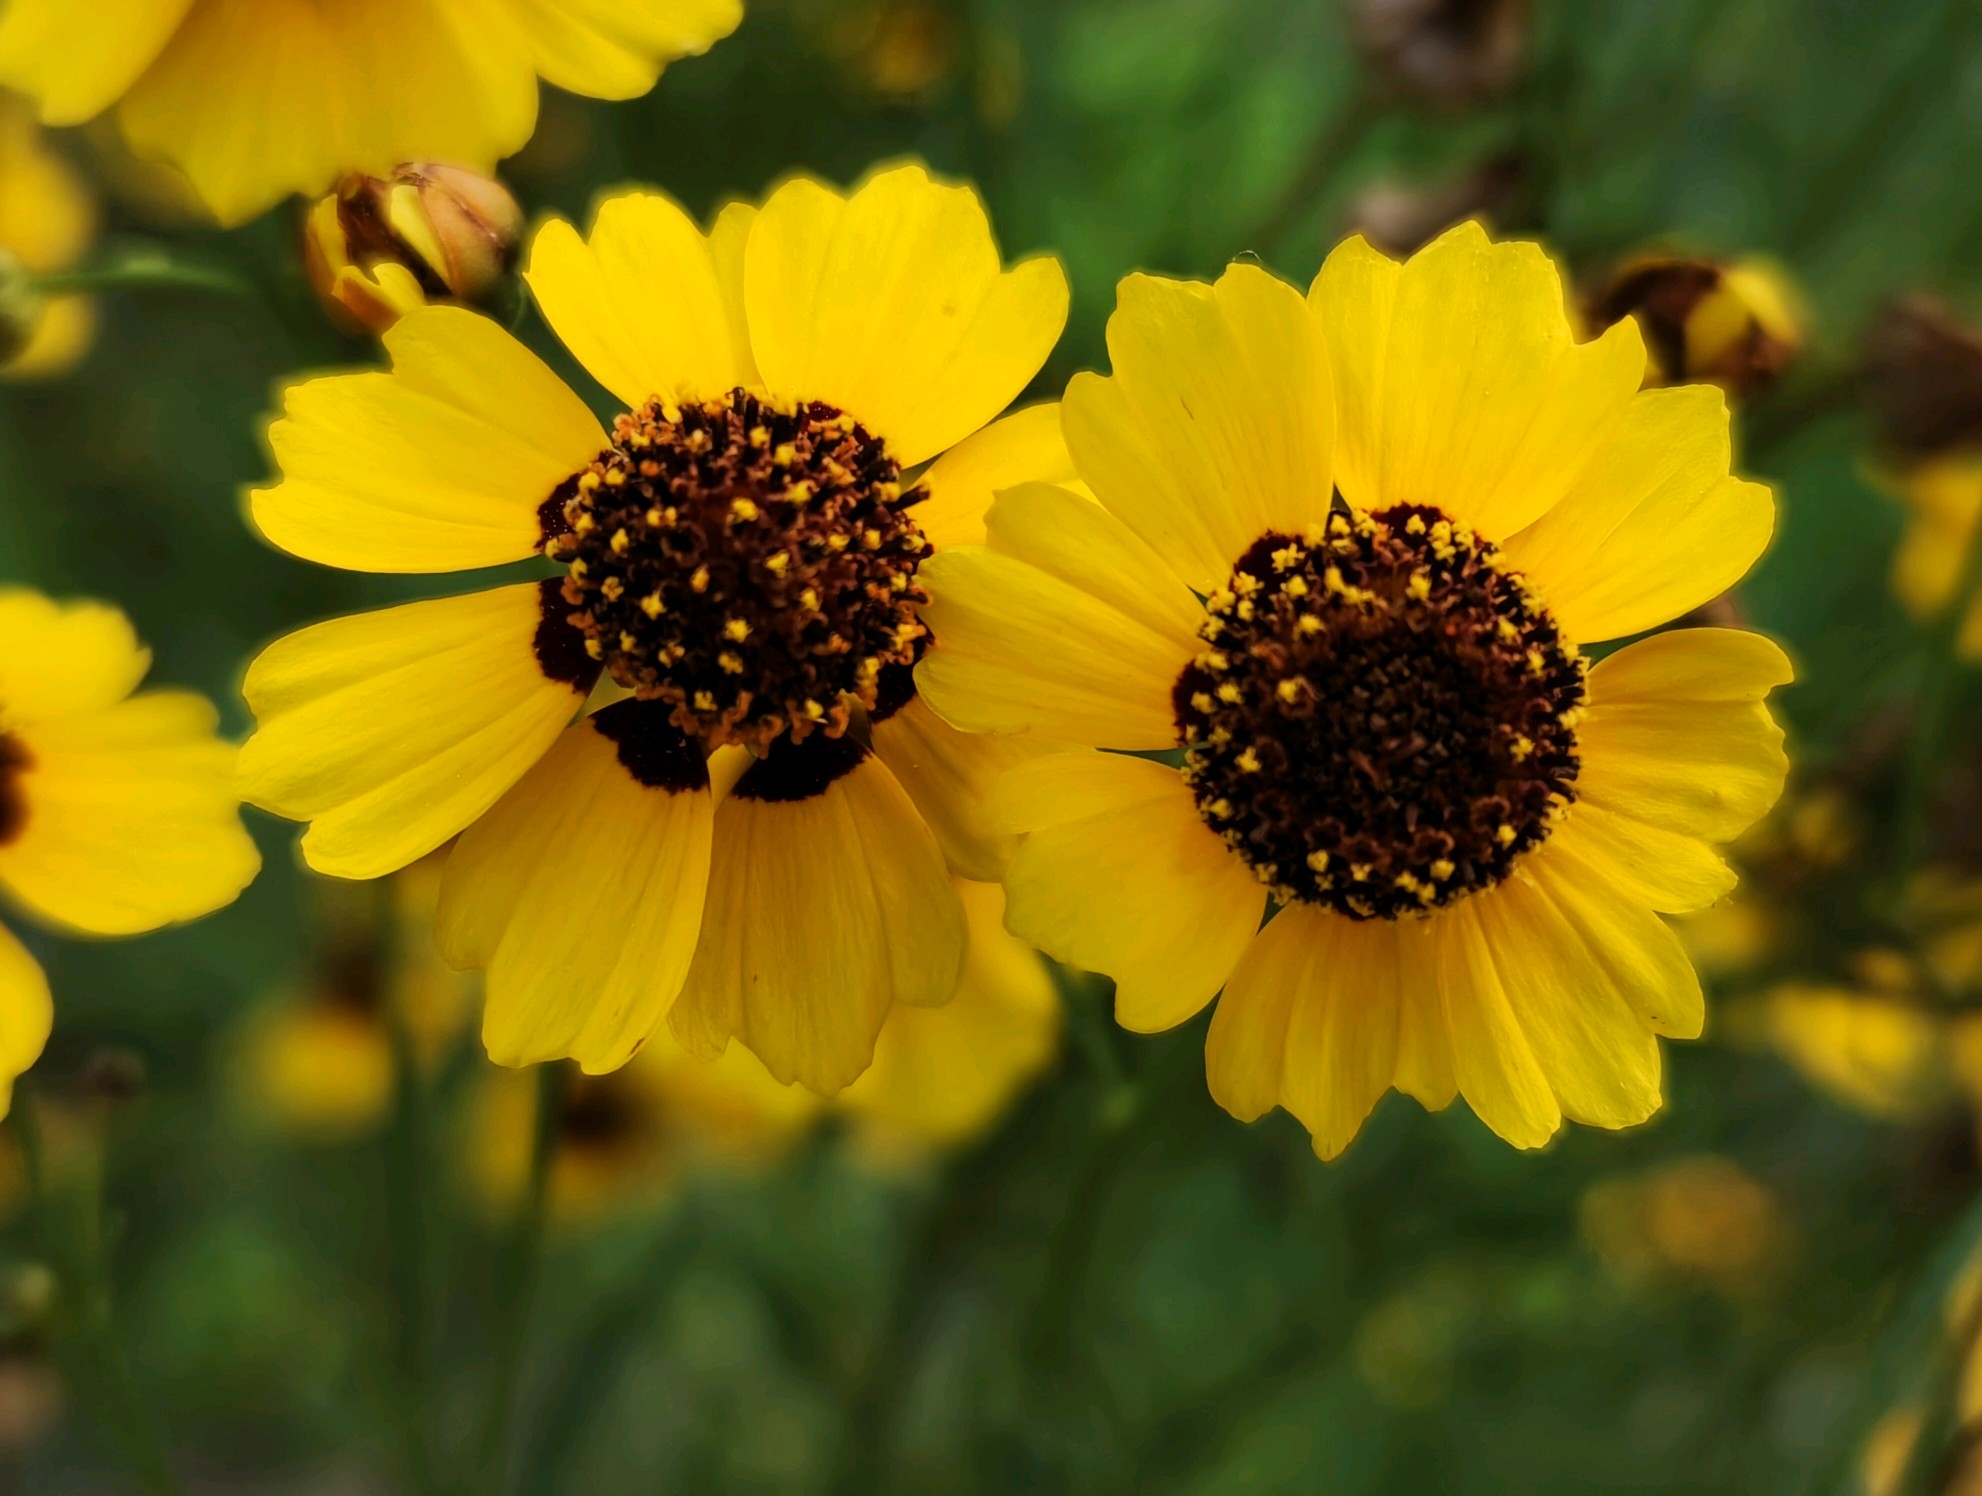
<point x="627" y="642"/>
<point x="621" y="542"/>
<point x="760" y="436"/>
<point x="1289" y="691"/>
<point x="1248" y="762"/>
<point x="615" y="478"/>
<point x="611" y="588"/>
<point x="1288" y="557"/>
<point x="1221" y="807"/>
<point x="1537" y="662"/>
<point x="776" y="562"/>
<point x="1245" y="611"/>
<point x="1201" y="701"/>
<point x="743" y="509"/>
<point x="846" y="423"/>
<point x="652" y="605"/>
<point x="1505" y="628"/>
<point x="836" y="541"/>
<point x="1318" y="862"/>
<point x="809" y="598"/>
<point x="1307" y="623"/>
<point x="1213" y="660"/>
<point x="1419" y="586"/>
<point x="584" y="524"/>
<point x="736" y="630"/>
<point x="1360" y="871"/>
<point x="800" y="493"/>
<point x="595" y="649"/>
<point x="1338" y="524"/>
<point x="698" y="441"/>
<point x="1228" y="691"/>
<point x="784" y="454"/>
<point x="1415" y="525"/>
<point x="1443" y="869"/>
<point x="699" y="582"/>
<point x="731" y="662"/>
<point x="705" y="701"/>
<point x="1504" y="834"/>
<point x="579" y="568"/>
<point x="1221" y="601"/>
<point x="1296" y="587"/>
<point x="1520" y="748"/>
<point x="814" y="712"/>
<point x="588" y="481"/>
<point x="1218" y="737"/>
<point x="1247" y="584"/>
<point x="1266" y="872"/>
<point x="656" y="518"/>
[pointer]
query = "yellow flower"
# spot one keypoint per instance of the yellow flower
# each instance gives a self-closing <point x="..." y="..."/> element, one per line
<point x="1943" y="498"/>
<point x="376" y="248"/>
<point x="1738" y="326"/>
<point x="942" y="1076"/>
<point x="740" y="554"/>
<point x="256" y="99"/>
<point x="1700" y="1217"/>
<point x="47" y="222"/>
<point x="624" y="1140"/>
<point x="116" y="811"/>
<point x="1387" y="724"/>
<point x="321" y="1061"/>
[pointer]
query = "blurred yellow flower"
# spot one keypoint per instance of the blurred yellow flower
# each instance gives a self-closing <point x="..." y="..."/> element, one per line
<point x="117" y="813"/>
<point x="751" y="836"/>
<point x="320" y="1061"/>
<point x="1702" y="1217"/>
<point x="624" y="1139"/>
<point x="1878" y="1053"/>
<point x="1345" y="551"/>
<point x="1943" y="497"/>
<point x="942" y="1076"/>
<point x="256" y="99"/>
<point x="1735" y="325"/>
<point x="47" y="221"/>
<point x="376" y="248"/>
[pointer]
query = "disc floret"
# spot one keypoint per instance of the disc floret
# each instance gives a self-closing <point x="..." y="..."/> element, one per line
<point x="750" y="564"/>
<point x="1383" y="716"/>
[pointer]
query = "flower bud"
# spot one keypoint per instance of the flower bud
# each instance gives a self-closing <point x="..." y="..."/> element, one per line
<point x="1400" y="218"/>
<point x="1449" y="53"/>
<point x="1738" y="326"/>
<point x="1923" y="370"/>
<point x="376" y="248"/>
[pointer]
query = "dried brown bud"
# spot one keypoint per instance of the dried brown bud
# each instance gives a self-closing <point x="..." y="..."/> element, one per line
<point x="1738" y="326"/>
<point x="1923" y="377"/>
<point x="378" y="247"/>
<point x="1448" y="53"/>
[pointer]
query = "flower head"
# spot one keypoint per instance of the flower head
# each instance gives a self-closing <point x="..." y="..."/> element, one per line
<point x="117" y="812"/>
<point x="376" y="248"/>
<point x="1738" y="326"/>
<point x="1342" y="556"/>
<point x="749" y="832"/>
<point x="256" y="99"/>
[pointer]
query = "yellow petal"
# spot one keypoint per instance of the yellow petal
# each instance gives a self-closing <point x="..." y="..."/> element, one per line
<point x="824" y="912"/>
<point x="26" y="1014"/>
<point x="1577" y="979"/>
<point x="1679" y="736"/>
<point x="891" y="305"/>
<point x="640" y="301"/>
<point x="48" y="214"/>
<point x="949" y="775"/>
<point x="1024" y="447"/>
<point x="1309" y="1021"/>
<point x="61" y="658"/>
<point x="1458" y="381"/>
<point x="942" y="1075"/>
<point x="1653" y="527"/>
<point x="1665" y="870"/>
<point x="1492" y="1060"/>
<point x="1118" y="874"/>
<point x="440" y="465"/>
<point x="1945" y="496"/>
<point x="1216" y="425"/>
<point x="615" y="49"/>
<point x="131" y="818"/>
<point x="729" y="238"/>
<point x="581" y="892"/>
<point x="256" y="99"/>
<point x="1424" y="1043"/>
<point x="391" y="731"/>
<point x="76" y="60"/>
<point x="61" y="337"/>
<point x="1069" y="628"/>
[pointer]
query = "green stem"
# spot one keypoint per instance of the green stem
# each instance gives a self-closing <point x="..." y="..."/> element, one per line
<point x="409" y="1177"/>
<point x="516" y="1287"/>
<point x="78" y="1257"/>
<point x="1930" y="716"/>
<point x="143" y="270"/>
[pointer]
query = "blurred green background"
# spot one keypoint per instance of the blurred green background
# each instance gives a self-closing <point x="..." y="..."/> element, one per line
<point x="1119" y="1289"/>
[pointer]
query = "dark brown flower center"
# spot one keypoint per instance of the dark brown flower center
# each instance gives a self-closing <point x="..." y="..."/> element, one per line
<point x="15" y="760"/>
<point x="1383" y="718"/>
<point x="751" y="566"/>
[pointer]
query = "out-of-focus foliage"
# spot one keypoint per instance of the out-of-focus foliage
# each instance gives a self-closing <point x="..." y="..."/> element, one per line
<point x="1118" y="1289"/>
